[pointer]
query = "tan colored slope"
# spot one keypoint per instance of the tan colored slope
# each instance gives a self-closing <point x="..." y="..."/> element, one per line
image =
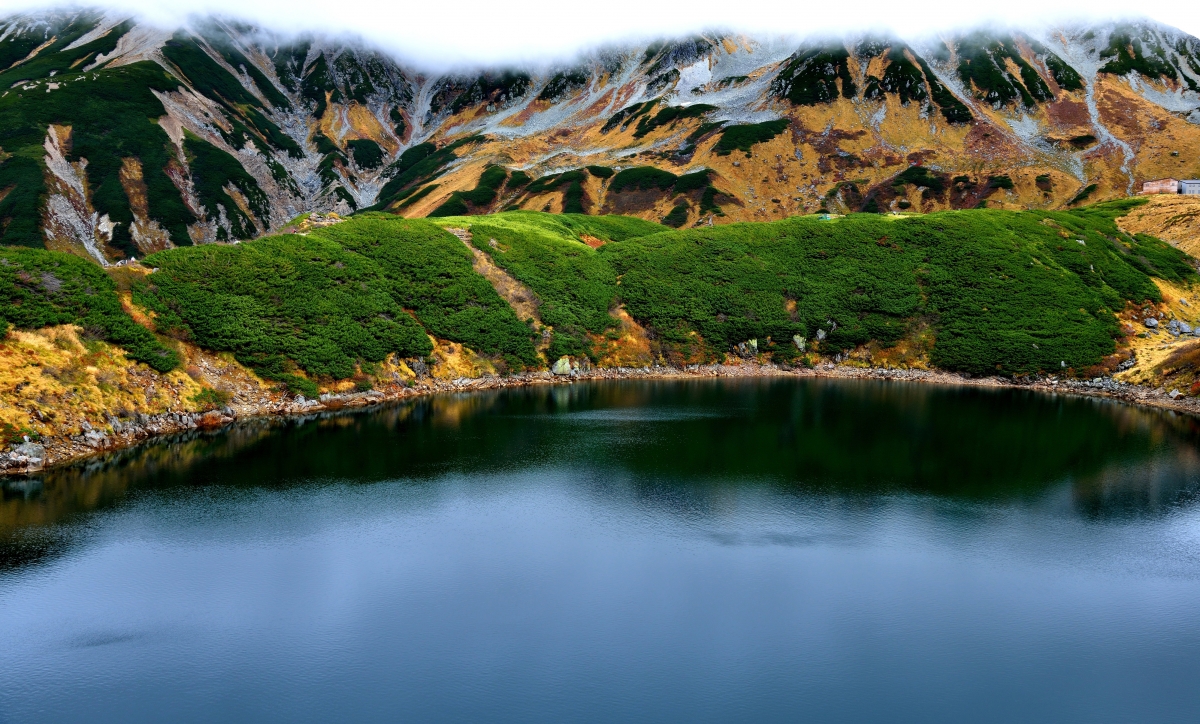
<point x="1172" y="218"/>
<point x="51" y="382"/>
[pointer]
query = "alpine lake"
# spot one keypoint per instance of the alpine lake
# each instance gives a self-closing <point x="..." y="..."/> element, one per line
<point x="709" y="550"/>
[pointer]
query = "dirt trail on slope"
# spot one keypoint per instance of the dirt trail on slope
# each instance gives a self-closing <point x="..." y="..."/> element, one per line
<point x="520" y="297"/>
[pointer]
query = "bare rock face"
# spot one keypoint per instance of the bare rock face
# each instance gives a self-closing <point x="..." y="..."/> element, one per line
<point x="253" y="131"/>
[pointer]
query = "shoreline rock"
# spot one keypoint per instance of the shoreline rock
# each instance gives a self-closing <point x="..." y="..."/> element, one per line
<point x="30" y="457"/>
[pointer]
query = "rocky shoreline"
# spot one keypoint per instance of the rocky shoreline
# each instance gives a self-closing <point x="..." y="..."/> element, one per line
<point x="33" y="456"/>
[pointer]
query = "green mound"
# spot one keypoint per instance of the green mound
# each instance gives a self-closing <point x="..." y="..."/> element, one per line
<point x="281" y="303"/>
<point x="1010" y="292"/>
<point x="545" y="252"/>
<point x="429" y="271"/>
<point x="41" y="288"/>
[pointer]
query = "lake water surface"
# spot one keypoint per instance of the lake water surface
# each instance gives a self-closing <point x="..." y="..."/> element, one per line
<point x="761" y="550"/>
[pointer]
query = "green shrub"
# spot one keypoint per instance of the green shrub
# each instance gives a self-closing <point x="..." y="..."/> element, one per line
<point x="1003" y="290"/>
<point x="692" y="181"/>
<point x="745" y="137"/>
<point x="113" y="115"/>
<point x="366" y="153"/>
<point x="811" y="77"/>
<point x="1000" y="182"/>
<point x="40" y="288"/>
<point x="669" y="115"/>
<point x="543" y="251"/>
<point x="429" y="271"/>
<point x="921" y="176"/>
<point x="642" y="178"/>
<point x="678" y="215"/>
<point x="1083" y="194"/>
<point x="483" y="194"/>
<point x="281" y="303"/>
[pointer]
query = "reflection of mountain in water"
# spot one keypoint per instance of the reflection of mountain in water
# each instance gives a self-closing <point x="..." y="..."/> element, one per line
<point x="676" y="441"/>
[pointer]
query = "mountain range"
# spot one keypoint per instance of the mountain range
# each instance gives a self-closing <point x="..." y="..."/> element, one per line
<point x="118" y="139"/>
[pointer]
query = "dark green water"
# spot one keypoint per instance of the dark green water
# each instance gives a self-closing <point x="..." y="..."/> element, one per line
<point x="686" y="551"/>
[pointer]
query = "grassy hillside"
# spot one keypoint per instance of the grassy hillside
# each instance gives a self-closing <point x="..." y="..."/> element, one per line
<point x="987" y="291"/>
<point x="279" y="304"/>
<point x="41" y="288"/>
<point x="546" y="252"/>
<point x="429" y="271"/>
<point x="1013" y="292"/>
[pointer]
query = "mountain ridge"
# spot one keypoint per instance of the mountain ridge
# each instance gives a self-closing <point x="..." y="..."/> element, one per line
<point x="248" y="130"/>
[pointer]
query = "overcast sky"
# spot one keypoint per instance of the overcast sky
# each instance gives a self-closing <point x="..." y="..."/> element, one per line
<point x="440" y="32"/>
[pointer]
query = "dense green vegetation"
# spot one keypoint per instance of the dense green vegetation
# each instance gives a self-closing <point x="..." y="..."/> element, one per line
<point x="953" y="110"/>
<point x="983" y="63"/>
<point x="417" y="166"/>
<point x="564" y="83"/>
<point x="744" y="137"/>
<point x="1127" y="54"/>
<point x="811" y="77"/>
<point x="922" y="177"/>
<point x="280" y="304"/>
<point x="642" y="178"/>
<point x="669" y="115"/>
<point x="428" y="270"/>
<point x="213" y="170"/>
<point x="573" y="194"/>
<point x="483" y="194"/>
<point x="113" y="116"/>
<point x="1005" y="291"/>
<point x="901" y="77"/>
<point x="575" y="285"/>
<point x="627" y="115"/>
<point x="40" y="288"/>
<point x="366" y="153"/>
<point x="493" y="87"/>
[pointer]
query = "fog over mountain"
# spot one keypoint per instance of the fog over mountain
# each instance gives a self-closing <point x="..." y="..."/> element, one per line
<point x="251" y="126"/>
<point x="484" y="32"/>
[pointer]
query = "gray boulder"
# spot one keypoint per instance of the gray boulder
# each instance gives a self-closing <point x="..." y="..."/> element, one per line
<point x="30" y="450"/>
<point x="1151" y="322"/>
<point x="562" y="366"/>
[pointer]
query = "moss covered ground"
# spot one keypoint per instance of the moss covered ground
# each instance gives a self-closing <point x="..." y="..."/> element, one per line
<point x="992" y="291"/>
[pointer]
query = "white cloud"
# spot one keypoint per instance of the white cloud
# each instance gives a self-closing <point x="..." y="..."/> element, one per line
<point x="467" y="32"/>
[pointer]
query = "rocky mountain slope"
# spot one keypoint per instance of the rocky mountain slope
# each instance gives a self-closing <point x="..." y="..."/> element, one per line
<point x="118" y="139"/>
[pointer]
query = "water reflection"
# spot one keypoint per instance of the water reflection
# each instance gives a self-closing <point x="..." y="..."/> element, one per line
<point x="681" y="441"/>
